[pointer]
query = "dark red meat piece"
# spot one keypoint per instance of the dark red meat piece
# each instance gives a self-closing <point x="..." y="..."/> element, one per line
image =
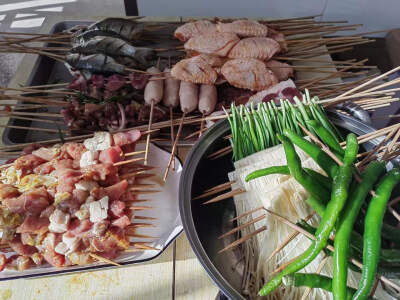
<point x="115" y="82"/>
<point x="138" y="81"/>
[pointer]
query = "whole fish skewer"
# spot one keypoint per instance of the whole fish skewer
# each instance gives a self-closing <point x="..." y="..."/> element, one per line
<point x="115" y="47"/>
<point x="98" y="63"/>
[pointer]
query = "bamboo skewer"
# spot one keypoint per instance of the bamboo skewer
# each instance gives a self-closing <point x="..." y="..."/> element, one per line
<point x="103" y="259"/>
<point x="174" y="146"/>
<point x="243" y="239"/>
<point x="288" y="239"/>
<point x="149" y="129"/>
<point x="225" y="196"/>
<point x="240" y="227"/>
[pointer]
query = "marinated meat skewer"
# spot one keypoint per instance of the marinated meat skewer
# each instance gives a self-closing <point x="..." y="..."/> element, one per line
<point x="215" y="43"/>
<point x="188" y="30"/>
<point x="69" y="202"/>
<point x="248" y="73"/>
<point x="244" y="28"/>
<point x="255" y="47"/>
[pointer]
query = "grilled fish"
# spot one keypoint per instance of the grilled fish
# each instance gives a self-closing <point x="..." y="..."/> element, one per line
<point x="215" y="43"/>
<point x="244" y="28"/>
<point x="191" y="29"/>
<point x="248" y="73"/>
<point x="262" y="48"/>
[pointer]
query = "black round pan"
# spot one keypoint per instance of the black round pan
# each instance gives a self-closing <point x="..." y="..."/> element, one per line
<point x="204" y="223"/>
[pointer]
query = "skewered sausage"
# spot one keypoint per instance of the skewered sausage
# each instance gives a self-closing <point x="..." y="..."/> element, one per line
<point x="171" y="90"/>
<point x="188" y="96"/>
<point x="154" y="88"/>
<point x="207" y="98"/>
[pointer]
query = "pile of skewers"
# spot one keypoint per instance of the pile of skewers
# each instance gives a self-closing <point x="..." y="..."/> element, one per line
<point x="73" y="204"/>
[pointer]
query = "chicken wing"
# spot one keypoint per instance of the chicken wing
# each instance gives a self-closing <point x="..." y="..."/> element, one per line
<point x="244" y="28"/>
<point x="255" y="47"/>
<point x="215" y="43"/>
<point x="194" y="70"/>
<point x="248" y="73"/>
<point x="188" y="30"/>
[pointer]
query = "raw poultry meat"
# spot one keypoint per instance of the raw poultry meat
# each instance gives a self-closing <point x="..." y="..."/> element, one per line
<point x="248" y="73"/>
<point x="244" y="28"/>
<point x="255" y="47"/>
<point x="281" y="70"/>
<point x="215" y="43"/>
<point x="188" y="30"/>
<point x="280" y="38"/>
<point x="195" y="70"/>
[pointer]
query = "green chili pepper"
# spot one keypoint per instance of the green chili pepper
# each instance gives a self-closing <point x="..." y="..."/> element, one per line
<point x="372" y="228"/>
<point x="320" y="157"/>
<point x="314" y="281"/>
<point x="345" y="227"/>
<point x="326" y="137"/>
<point x="298" y="173"/>
<point x="318" y="177"/>
<point x="339" y="195"/>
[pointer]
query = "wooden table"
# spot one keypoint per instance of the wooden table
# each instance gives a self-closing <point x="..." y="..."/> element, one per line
<point x="181" y="273"/>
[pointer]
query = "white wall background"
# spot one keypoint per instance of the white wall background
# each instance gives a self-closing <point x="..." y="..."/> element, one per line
<point x="375" y="15"/>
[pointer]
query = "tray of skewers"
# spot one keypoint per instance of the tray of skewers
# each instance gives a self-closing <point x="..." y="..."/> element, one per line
<point x="119" y="73"/>
<point x="85" y="205"/>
